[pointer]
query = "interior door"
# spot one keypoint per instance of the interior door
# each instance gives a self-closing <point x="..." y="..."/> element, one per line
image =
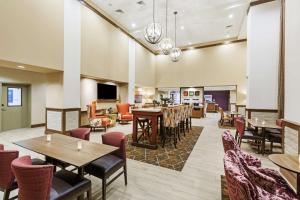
<point x="14" y="107"/>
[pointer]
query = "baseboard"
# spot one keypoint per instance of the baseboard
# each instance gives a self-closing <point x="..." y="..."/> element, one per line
<point x="37" y="125"/>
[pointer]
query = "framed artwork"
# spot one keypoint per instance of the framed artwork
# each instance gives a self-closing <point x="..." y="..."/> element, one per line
<point x="185" y="93"/>
<point x="191" y="93"/>
<point x="197" y="93"/>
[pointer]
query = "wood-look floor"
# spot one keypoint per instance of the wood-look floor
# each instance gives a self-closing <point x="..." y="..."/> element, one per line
<point x="199" y="179"/>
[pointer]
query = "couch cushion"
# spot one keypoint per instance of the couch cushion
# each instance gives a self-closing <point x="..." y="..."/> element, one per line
<point x="104" y="166"/>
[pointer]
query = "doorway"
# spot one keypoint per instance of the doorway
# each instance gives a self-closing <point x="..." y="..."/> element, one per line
<point x="15" y="112"/>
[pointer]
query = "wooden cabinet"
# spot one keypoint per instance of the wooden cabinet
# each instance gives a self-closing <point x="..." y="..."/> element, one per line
<point x="198" y="112"/>
<point x="212" y="107"/>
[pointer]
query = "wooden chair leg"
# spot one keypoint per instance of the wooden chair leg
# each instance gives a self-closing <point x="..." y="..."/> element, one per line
<point x="6" y="194"/>
<point x="89" y="194"/>
<point x="236" y="135"/>
<point x="104" y="188"/>
<point x="271" y="147"/>
<point x="125" y="174"/>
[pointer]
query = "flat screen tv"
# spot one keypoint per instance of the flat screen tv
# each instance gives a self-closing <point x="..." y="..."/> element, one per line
<point x="105" y="91"/>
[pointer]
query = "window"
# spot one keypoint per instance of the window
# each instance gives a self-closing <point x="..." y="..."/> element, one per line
<point x="14" y="96"/>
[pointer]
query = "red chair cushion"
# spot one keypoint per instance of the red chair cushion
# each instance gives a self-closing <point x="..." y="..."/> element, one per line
<point x="127" y="116"/>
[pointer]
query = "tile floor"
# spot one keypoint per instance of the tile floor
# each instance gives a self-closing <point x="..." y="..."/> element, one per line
<point x="199" y="179"/>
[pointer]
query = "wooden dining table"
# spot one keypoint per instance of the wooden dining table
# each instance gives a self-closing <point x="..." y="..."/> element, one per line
<point x="64" y="148"/>
<point x="263" y="125"/>
<point x="289" y="165"/>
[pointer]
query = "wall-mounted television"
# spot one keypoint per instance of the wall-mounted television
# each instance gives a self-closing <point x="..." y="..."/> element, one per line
<point x="105" y="91"/>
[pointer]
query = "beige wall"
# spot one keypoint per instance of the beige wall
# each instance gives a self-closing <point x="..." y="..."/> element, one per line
<point x="38" y="90"/>
<point x="104" y="48"/>
<point x="144" y="67"/>
<point x="55" y="90"/>
<point x="31" y="32"/>
<point x="219" y="65"/>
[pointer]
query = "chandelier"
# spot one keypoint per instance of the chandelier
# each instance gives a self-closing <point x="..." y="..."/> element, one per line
<point x="153" y="31"/>
<point x="166" y="43"/>
<point x="175" y="52"/>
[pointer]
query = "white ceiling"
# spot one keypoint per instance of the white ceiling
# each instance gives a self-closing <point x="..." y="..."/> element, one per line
<point x="203" y="20"/>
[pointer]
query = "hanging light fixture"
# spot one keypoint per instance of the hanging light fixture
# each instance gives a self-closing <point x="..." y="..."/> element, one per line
<point x="153" y="31"/>
<point x="175" y="52"/>
<point x="166" y="43"/>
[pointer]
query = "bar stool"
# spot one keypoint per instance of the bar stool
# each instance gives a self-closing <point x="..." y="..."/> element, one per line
<point x="170" y="126"/>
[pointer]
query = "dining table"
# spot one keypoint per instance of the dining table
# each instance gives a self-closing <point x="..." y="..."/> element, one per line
<point x="74" y="151"/>
<point x="263" y="124"/>
<point x="232" y="115"/>
<point x="288" y="163"/>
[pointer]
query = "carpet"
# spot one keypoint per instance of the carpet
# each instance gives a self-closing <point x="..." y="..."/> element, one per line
<point x="168" y="157"/>
<point x="224" y="190"/>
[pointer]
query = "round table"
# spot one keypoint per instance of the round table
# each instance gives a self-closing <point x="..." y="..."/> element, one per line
<point x="289" y="163"/>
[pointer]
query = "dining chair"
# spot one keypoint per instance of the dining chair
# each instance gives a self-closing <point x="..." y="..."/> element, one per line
<point x="39" y="182"/>
<point x="81" y="133"/>
<point x="7" y="179"/>
<point x="171" y="119"/>
<point x="224" y="118"/>
<point x="275" y="135"/>
<point x="107" y="165"/>
<point x="247" y="134"/>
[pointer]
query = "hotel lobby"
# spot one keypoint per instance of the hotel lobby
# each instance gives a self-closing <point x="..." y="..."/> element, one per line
<point x="149" y="100"/>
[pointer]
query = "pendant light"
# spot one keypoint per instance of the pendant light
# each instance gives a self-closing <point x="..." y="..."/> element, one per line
<point x="153" y="31"/>
<point x="166" y="43"/>
<point x="175" y="52"/>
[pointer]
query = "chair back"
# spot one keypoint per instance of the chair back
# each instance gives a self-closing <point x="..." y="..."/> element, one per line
<point x="34" y="181"/>
<point x="123" y="108"/>
<point x="279" y="122"/>
<point x="6" y="174"/>
<point x="93" y="109"/>
<point x="240" y="127"/>
<point x="229" y="142"/>
<point x="239" y="187"/>
<point x="81" y="133"/>
<point x="1" y="147"/>
<point x="116" y="139"/>
<point x="221" y="113"/>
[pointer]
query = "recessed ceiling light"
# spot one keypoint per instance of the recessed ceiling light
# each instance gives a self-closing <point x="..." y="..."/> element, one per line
<point x="227" y="36"/>
<point x="21" y="67"/>
<point x="182" y="27"/>
<point x="230" y="16"/>
<point x="133" y="25"/>
<point x="190" y="43"/>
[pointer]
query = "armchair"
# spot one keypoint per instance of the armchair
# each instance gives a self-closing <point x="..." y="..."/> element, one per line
<point x="123" y="112"/>
<point x="95" y="121"/>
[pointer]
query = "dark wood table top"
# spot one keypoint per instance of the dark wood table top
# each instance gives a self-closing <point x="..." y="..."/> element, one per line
<point x="260" y="124"/>
<point x="64" y="148"/>
<point x="286" y="161"/>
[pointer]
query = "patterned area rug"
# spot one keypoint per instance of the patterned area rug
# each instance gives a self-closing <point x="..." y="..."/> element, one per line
<point x="168" y="157"/>
<point x="224" y="188"/>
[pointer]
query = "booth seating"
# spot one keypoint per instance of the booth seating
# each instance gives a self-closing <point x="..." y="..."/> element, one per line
<point x="247" y="180"/>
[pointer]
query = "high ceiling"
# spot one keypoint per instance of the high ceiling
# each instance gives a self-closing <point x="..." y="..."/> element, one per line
<point x="198" y="21"/>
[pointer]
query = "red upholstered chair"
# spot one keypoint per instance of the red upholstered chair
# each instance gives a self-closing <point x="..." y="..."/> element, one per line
<point x="248" y="183"/>
<point x="123" y="110"/>
<point x="38" y="182"/>
<point x="96" y="121"/>
<point x="7" y="182"/>
<point x="230" y="144"/>
<point x="81" y="133"/>
<point x="107" y="165"/>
